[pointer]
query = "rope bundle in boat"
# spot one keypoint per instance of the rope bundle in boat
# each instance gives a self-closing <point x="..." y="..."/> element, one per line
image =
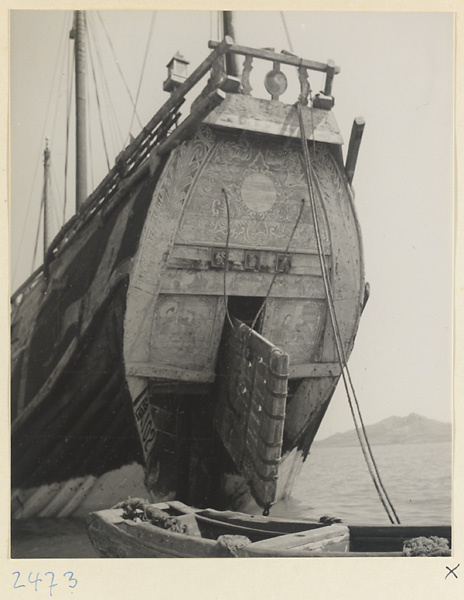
<point x="426" y="546"/>
<point x="136" y="508"/>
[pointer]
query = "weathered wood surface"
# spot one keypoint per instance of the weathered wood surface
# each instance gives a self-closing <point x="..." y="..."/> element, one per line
<point x="284" y="58"/>
<point x="335" y="537"/>
<point x="274" y="118"/>
<point x="115" y="537"/>
<point x="250" y="410"/>
<point x="163" y="241"/>
<point x="175" y="270"/>
<point x="353" y="147"/>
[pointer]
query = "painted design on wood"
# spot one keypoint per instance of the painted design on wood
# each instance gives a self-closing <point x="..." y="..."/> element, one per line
<point x="265" y="184"/>
<point x="156" y="243"/>
<point x="250" y="412"/>
<point x="186" y="331"/>
<point x="295" y="326"/>
<point x="144" y="421"/>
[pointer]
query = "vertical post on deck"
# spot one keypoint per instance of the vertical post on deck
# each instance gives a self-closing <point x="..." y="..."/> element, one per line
<point x="231" y="59"/>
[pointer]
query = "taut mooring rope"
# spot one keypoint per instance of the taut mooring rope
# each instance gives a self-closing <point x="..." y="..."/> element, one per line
<point x="368" y="455"/>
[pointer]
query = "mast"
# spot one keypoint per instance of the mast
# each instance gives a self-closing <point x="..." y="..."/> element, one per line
<point x="46" y="201"/>
<point x="81" y="124"/>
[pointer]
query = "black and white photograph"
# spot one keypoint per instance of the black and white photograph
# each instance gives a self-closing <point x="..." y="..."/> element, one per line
<point x="231" y="280"/>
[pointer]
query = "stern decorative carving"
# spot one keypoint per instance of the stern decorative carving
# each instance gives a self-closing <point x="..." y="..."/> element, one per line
<point x="265" y="184"/>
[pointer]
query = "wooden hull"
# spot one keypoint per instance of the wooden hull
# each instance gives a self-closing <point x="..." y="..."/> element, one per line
<point x="175" y="303"/>
<point x="117" y="339"/>
<point x="116" y="537"/>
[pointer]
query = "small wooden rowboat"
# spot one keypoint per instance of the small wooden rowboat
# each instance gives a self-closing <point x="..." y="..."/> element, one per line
<point x="208" y="533"/>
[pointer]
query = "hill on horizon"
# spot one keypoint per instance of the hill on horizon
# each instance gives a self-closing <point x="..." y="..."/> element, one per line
<point x="413" y="429"/>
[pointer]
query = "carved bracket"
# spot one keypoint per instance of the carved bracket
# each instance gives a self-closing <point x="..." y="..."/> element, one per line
<point x="305" y="88"/>
<point x="247" y="67"/>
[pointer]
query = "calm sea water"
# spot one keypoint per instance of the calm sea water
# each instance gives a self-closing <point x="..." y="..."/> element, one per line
<point x="335" y="481"/>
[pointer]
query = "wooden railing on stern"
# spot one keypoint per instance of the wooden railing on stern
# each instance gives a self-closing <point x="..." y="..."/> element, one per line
<point x="283" y="58"/>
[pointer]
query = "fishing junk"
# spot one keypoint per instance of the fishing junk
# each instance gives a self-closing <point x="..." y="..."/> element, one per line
<point x="182" y="318"/>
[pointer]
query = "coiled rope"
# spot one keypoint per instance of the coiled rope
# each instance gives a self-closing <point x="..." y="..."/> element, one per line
<point x="349" y="388"/>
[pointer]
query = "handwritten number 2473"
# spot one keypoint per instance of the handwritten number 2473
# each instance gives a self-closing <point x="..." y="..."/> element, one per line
<point x="69" y="576"/>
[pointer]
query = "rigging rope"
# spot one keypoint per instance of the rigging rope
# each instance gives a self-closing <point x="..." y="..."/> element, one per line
<point x="276" y="272"/>
<point x="54" y="195"/>
<point x="373" y="470"/>
<point x="111" y="114"/>
<point x="119" y="69"/>
<point x="284" y="21"/>
<point x="220" y="33"/>
<point x="89" y="139"/>
<point x="226" y="259"/>
<point x="150" y="33"/>
<point x="65" y="26"/>
<point x="97" y="96"/>
<point x="38" y="229"/>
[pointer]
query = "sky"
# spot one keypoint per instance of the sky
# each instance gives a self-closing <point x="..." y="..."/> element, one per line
<point x="396" y="72"/>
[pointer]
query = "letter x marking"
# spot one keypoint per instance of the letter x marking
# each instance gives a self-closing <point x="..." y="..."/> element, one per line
<point x="452" y="571"/>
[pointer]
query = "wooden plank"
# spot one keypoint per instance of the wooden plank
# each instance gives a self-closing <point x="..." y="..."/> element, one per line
<point x="148" y="369"/>
<point x="311" y="539"/>
<point x="252" y="552"/>
<point x="284" y="59"/>
<point x="279" y="524"/>
<point x="314" y="370"/>
<point x="186" y="256"/>
<point x="274" y="118"/>
<point x="241" y="283"/>
<point x="181" y="388"/>
<point x="353" y="147"/>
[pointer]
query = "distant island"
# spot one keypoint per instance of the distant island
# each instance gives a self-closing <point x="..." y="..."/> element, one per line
<point x="413" y="429"/>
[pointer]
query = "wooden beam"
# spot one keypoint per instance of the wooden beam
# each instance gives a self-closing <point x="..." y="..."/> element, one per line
<point x="353" y="148"/>
<point x="148" y="369"/>
<point x="314" y="370"/>
<point x="231" y="61"/>
<point x="191" y="122"/>
<point x="274" y="118"/>
<point x="284" y="59"/>
<point x="329" y="77"/>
